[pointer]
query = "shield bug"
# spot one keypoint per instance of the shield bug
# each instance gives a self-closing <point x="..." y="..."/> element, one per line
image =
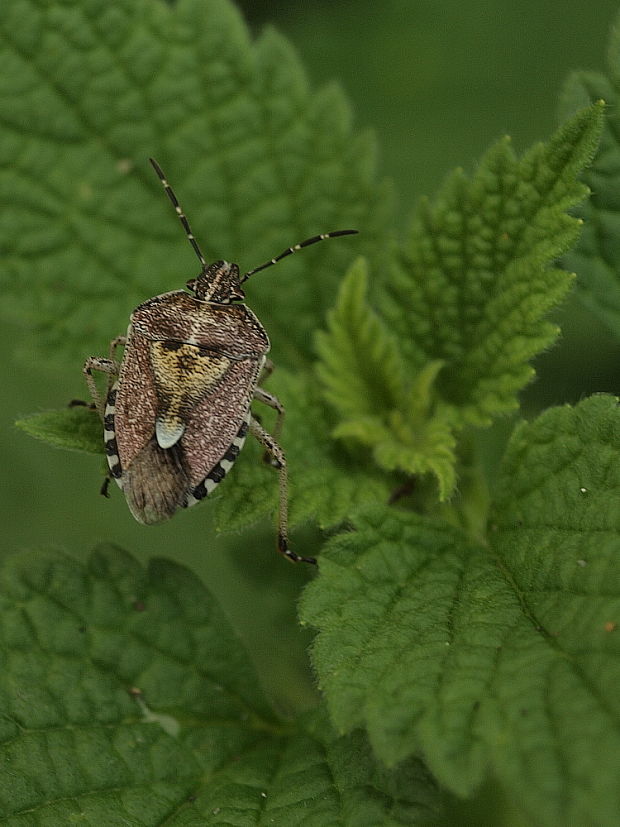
<point x="177" y="408"/>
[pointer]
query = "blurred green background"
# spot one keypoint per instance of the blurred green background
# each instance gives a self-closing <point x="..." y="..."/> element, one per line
<point x="438" y="82"/>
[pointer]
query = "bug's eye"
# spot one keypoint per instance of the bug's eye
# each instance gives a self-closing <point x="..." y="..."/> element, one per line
<point x="191" y="285"/>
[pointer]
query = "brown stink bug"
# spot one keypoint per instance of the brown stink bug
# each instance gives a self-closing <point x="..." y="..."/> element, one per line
<point x="177" y="408"/>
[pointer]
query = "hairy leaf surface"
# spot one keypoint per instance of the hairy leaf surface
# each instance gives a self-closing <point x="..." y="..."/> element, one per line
<point x="126" y="699"/>
<point x="504" y="657"/>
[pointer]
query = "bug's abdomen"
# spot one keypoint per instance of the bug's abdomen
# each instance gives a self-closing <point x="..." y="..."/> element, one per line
<point x="221" y="468"/>
<point x="109" y="435"/>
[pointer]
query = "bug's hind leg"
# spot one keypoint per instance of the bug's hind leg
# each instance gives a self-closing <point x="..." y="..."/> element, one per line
<point x="278" y="460"/>
<point x="273" y="402"/>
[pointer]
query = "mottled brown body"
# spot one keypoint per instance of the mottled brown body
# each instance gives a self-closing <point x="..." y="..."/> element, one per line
<point x="184" y="390"/>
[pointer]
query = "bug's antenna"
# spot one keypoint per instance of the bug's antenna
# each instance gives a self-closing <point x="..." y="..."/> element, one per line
<point x="290" y="250"/>
<point x="179" y="211"/>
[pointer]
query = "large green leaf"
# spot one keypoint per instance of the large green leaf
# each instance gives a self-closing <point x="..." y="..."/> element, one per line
<point x="475" y="281"/>
<point x="126" y="699"/>
<point x="504" y="656"/>
<point x="89" y="91"/>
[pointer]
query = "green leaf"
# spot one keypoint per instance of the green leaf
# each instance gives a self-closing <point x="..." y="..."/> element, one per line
<point x="258" y="161"/>
<point x="504" y="657"/>
<point x="76" y="429"/>
<point x="378" y="401"/>
<point x="126" y="699"/>
<point x="370" y="793"/>
<point x="475" y="282"/>
<point x="596" y="258"/>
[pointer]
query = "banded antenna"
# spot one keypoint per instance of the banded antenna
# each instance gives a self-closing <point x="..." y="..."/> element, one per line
<point x="177" y="208"/>
<point x="290" y="250"/>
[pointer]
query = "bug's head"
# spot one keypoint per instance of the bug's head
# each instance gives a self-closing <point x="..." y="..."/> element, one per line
<point x="220" y="282"/>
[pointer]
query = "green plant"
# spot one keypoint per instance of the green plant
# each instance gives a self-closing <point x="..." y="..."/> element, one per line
<point x="465" y="617"/>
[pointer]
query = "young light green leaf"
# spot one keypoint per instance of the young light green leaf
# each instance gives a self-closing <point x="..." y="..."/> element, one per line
<point x="504" y="656"/>
<point x="77" y="428"/>
<point x="360" y="368"/>
<point x="126" y="699"/>
<point x="596" y="258"/>
<point x="474" y="283"/>
<point x="379" y="400"/>
<point x="258" y="160"/>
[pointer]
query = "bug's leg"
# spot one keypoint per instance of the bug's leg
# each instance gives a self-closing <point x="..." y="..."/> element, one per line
<point x="279" y="462"/>
<point x="107" y="366"/>
<point x="80" y="403"/>
<point x="273" y="402"/>
<point x="120" y="340"/>
<point x="105" y="485"/>
<point x="267" y="370"/>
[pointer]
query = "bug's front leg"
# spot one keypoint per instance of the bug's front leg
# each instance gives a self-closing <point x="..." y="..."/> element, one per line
<point x="278" y="460"/>
<point x="119" y="341"/>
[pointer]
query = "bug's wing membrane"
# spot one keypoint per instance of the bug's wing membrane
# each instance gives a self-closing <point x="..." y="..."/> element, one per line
<point x="155" y="483"/>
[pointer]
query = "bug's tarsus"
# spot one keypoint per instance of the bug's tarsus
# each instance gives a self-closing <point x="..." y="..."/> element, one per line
<point x="105" y="486"/>
<point x="80" y="403"/>
<point x="285" y="551"/>
<point x="177" y="208"/>
<point x="404" y="490"/>
<point x="290" y="250"/>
